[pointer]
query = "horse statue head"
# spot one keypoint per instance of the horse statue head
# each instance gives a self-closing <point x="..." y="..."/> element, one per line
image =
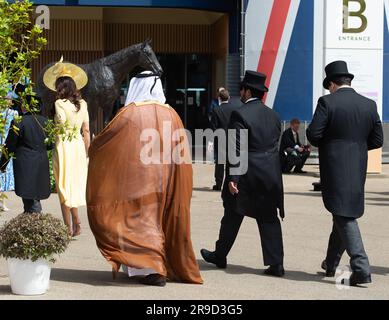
<point x="148" y="59"/>
<point x="106" y="76"/>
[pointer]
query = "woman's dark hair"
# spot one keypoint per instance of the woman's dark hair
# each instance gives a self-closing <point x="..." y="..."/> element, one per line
<point x="67" y="90"/>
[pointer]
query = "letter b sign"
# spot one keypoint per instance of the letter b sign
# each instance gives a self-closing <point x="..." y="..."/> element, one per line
<point x="358" y="14"/>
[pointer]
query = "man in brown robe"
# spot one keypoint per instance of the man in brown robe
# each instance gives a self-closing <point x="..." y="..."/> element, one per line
<point x="138" y="194"/>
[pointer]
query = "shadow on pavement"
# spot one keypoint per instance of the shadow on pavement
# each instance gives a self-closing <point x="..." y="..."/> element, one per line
<point x="304" y="194"/>
<point x="382" y="271"/>
<point x="5" y="290"/>
<point x="204" y="189"/>
<point x="377" y="204"/>
<point x="289" y="274"/>
<point x="307" y="174"/>
<point x="379" y="193"/>
<point x="377" y="199"/>
<point x="93" y="278"/>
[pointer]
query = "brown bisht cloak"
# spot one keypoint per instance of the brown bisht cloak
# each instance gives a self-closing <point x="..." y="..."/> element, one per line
<point x="140" y="213"/>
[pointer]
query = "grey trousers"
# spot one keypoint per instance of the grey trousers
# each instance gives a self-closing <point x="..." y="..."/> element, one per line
<point x="32" y="206"/>
<point x="346" y="236"/>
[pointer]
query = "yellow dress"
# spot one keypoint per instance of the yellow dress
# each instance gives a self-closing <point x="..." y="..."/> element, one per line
<point x="69" y="158"/>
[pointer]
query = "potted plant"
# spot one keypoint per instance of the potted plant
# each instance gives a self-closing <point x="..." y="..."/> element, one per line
<point x="30" y="243"/>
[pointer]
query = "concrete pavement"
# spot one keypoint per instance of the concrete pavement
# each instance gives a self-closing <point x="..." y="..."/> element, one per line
<point x="82" y="273"/>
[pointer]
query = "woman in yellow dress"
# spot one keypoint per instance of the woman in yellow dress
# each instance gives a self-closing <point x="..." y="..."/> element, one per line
<point x="70" y="156"/>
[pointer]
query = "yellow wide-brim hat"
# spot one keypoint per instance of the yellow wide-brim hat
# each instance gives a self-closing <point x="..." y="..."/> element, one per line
<point x="65" y="69"/>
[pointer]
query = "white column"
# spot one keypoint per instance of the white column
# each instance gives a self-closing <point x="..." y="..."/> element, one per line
<point x="318" y="50"/>
<point x="354" y="32"/>
<point x="359" y="40"/>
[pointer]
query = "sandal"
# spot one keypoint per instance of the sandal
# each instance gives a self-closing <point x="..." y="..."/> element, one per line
<point x="76" y="229"/>
<point x="70" y="232"/>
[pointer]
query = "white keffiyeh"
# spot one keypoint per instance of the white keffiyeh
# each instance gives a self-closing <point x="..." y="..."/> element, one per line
<point x="145" y="88"/>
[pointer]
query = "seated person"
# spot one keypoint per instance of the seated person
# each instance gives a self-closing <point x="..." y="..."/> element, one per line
<point x="293" y="154"/>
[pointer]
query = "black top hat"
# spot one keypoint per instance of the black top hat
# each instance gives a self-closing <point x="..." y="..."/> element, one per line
<point x="334" y="70"/>
<point x="255" y="80"/>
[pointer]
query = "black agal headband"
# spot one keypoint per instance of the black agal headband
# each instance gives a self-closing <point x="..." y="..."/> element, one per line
<point x="148" y="75"/>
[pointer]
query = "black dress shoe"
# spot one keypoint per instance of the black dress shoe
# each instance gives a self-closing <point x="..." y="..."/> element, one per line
<point x="329" y="273"/>
<point x="357" y="279"/>
<point x="154" y="280"/>
<point x="216" y="188"/>
<point x="299" y="171"/>
<point x="317" y="186"/>
<point x="210" y="257"/>
<point x="275" y="271"/>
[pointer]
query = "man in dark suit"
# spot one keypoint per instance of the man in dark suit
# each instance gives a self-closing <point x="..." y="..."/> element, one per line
<point x="255" y="188"/>
<point x="293" y="153"/>
<point x="345" y="126"/>
<point x="214" y="104"/>
<point x="31" y="164"/>
<point x="220" y="120"/>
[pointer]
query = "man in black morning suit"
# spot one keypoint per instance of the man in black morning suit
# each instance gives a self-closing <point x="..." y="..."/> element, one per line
<point x="219" y="120"/>
<point x="345" y="126"/>
<point x="292" y="152"/>
<point x="30" y="163"/>
<point x="258" y="192"/>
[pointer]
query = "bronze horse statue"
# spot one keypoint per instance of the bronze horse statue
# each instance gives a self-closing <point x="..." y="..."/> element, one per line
<point x="106" y="76"/>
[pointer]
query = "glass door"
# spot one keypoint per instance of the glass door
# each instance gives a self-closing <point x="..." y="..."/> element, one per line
<point x="186" y="81"/>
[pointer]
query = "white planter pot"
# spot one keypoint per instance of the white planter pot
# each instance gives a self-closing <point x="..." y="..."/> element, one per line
<point x="29" y="278"/>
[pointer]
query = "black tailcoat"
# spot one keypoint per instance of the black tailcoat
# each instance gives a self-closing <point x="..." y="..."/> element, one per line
<point x="31" y="164"/>
<point x="260" y="188"/>
<point x="221" y="115"/>
<point x="220" y="119"/>
<point x="344" y="127"/>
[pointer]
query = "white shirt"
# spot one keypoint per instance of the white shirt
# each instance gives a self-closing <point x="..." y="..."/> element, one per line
<point x="344" y="86"/>
<point x="296" y="147"/>
<point x="251" y="99"/>
<point x="294" y="136"/>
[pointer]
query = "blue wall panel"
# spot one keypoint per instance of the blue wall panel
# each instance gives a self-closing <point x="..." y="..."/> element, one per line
<point x="385" y="106"/>
<point x="295" y="90"/>
<point x="218" y="5"/>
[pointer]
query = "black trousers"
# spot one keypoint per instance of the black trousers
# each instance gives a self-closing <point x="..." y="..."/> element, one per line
<point x="219" y="165"/>
<point x="270" y="234"/>
<point x="219" y="174"/>
<point x="298" y="162"/>
<point x="32" y="206"/>
<point x="346" y="236"/>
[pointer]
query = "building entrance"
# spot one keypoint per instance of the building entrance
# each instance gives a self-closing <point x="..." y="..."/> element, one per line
<point x="187" y="84"/>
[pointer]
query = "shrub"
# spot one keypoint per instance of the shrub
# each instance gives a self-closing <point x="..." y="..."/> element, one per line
<point x="53" y="186"/>
<point x="33" y="236"/>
